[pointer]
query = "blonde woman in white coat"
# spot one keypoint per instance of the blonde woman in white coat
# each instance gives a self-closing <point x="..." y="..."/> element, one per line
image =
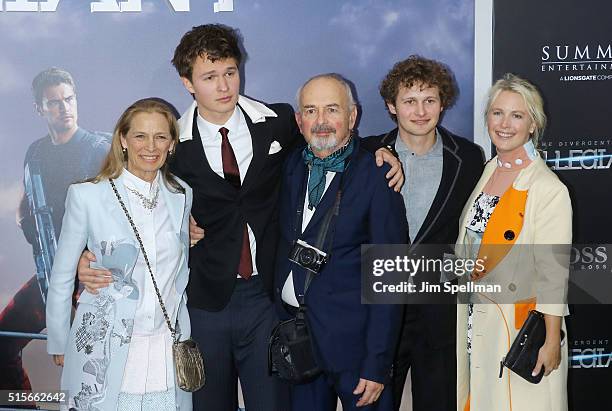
<point x="118" y="353"/>
<point x="518" y="209"/>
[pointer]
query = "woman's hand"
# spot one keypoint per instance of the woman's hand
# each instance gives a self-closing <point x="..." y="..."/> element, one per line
<point x="549" y="355"/>
<point x="58" y="359"/>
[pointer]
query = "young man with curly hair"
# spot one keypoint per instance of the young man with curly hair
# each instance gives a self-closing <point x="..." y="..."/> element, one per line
<point x="441" y="170"/>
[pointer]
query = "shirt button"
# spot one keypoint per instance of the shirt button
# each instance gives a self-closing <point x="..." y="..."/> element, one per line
<point x="512" y="287"/>
<point x="509" y="235"/>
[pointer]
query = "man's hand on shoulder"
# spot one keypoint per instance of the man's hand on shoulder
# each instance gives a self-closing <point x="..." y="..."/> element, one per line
<point x="196" y="233"/>
<point x="92" y="278"/>
<point x="396" y="174"/>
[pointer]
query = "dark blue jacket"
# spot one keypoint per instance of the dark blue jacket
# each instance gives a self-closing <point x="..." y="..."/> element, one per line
<point x="348" y="335"/>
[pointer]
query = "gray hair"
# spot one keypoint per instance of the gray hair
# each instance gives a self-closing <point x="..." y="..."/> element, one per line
<point x="333" y="76"/>
<point x="531" y="96"/>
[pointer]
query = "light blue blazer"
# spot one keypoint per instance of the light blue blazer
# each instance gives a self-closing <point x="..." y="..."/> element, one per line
<point x="95" y="348"/>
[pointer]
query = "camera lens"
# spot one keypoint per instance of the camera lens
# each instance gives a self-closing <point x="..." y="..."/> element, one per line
<point x="307" y="256"/>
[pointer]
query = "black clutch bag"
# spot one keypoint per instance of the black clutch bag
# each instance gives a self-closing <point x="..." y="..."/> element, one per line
<point x="523" y="354"/>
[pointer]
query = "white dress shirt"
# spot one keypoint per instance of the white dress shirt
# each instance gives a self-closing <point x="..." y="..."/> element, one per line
<point x="149" y="366"/>
<point x="288" y="293"/>
<point x="239" y="137"/>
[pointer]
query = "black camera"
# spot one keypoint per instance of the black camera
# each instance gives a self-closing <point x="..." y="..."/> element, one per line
<point x="307" y="256"/>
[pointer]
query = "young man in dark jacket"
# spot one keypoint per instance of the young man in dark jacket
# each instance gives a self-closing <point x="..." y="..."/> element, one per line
<point x="441" y="170"/>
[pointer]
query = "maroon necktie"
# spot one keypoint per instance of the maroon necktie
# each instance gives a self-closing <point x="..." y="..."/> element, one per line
<point x="232" y="175"/>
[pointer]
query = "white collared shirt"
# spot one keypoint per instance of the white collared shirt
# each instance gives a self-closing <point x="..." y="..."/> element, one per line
<point x="288" y="293"/>
<point x="150" y="352"/>
<point x="239" y="137"/>
<point x="255" y="110"/>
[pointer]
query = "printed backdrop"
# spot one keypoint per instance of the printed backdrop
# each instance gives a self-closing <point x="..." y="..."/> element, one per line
<point x="120" y="51"/>
<point x="565" y="48"/>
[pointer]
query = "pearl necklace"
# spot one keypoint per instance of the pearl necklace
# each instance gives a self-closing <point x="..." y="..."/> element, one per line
<point x="147" y="203"/>
<point x="524" y="154"/>
<point x="501" y="164"/>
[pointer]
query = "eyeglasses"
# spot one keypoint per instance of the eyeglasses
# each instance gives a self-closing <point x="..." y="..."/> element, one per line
<point x="57" y="103"/>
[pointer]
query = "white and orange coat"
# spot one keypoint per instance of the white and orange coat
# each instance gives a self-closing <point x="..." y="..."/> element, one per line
<point x="536" y="210"/>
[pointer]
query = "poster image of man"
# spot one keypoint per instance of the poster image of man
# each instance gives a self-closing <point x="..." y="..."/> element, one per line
<point x="66" y="154"/>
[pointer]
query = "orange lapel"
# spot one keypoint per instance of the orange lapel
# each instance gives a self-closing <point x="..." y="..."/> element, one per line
<point x="502" y="230"/>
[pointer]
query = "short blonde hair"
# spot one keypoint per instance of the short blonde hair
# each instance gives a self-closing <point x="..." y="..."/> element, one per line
<point x="531" y="96"/>
<point x="116" y="159"/>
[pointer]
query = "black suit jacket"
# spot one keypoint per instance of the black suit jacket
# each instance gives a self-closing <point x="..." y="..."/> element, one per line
<point x="463" y="162"/>
<point x="223" y="210"/>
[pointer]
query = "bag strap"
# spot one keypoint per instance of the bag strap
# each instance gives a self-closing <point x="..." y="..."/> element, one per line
<point x="146" y="258"/>
<point x="320" y="242"/>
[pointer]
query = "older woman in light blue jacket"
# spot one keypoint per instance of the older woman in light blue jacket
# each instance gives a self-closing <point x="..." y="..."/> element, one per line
<point x="118" y="353"/>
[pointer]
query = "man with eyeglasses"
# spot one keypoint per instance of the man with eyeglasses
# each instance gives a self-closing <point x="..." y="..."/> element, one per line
<point x="67" y="154"/>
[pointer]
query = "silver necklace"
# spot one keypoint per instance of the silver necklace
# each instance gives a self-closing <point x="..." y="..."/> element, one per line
<point x="147" y="203"/>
